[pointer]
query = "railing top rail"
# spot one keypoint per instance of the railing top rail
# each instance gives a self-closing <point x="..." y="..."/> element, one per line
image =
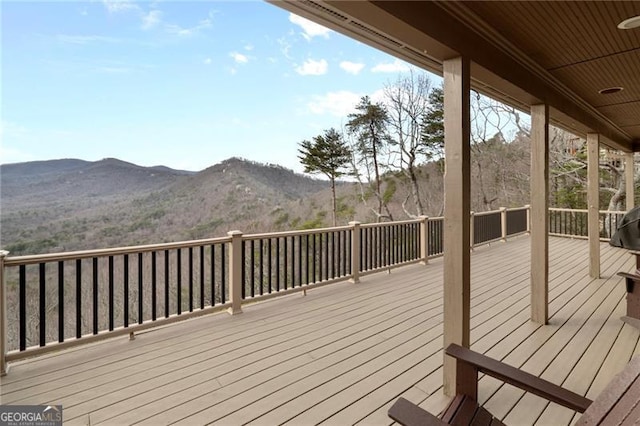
<point x="487" y="213"/>
<point x="558" y="209"/>
<point x="395" y="222"/>
<point x="84" y="254"/>
<point x="515" y="209"/>
<point x="294" y="233"/>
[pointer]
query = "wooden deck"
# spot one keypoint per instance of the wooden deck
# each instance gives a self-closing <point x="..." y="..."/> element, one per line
<point x="343" y="353"/>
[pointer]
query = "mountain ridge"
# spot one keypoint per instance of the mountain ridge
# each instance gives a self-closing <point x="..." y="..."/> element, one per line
<point x="71" y="204"/>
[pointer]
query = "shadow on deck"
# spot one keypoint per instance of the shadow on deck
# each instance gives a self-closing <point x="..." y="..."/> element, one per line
<point x="343" y="353"/>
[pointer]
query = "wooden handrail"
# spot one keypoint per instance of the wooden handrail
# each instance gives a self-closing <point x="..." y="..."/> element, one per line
<point x="84" y="254"/>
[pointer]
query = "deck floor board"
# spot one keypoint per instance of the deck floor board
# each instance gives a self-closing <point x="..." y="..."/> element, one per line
<point x="344" y="353"/>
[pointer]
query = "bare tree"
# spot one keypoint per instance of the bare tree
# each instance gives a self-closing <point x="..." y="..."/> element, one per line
<point x="408" y="101"/>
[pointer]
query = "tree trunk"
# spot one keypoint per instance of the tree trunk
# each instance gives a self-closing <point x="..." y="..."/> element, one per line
<point x="376" y="171"/>
<point x="415" y="190"/>
<point x="333" y="199"/>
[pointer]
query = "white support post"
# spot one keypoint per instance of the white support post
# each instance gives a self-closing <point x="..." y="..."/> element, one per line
<point x="539" y="213"/>
<point x="593" y="202"/>
<point x="629" y="172"/>
<point x="3" y="316"/>
<point x="457" y="204"/>
<point x="528" y="207"/>
<point x="503" y="224"/>
<point x="355" y="251"/>
<point x="424" y="239"/>
<point x="235" y="272"/>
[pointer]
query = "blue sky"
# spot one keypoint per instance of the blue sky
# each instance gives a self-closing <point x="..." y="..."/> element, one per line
<point x="182" y="84"/>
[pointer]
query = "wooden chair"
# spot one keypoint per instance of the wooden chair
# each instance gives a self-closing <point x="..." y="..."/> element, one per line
<point x="464" y="409"/>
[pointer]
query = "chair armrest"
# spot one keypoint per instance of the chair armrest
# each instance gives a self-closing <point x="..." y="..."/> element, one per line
<point x="629" y="275"/>
<point x="408" y="414"/>
<point x="629" y="280"/>
<point x="521" y="379"/>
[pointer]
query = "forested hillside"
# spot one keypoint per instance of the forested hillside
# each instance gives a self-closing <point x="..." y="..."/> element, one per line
<point x="73" y="204"/>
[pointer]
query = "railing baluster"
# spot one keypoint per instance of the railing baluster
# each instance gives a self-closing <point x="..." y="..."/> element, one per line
<point x="60" y="301"/>
<point x="213" y="274"/>
<point x="201" y="277"/>
<point x="261" y="266"/>
<point x="43" y="305"/>
<point x="223" y="273"/>
<point x="154" y="282"/>
<point x="243" y="269"/>
<point x="166" y="283"/>
<point x="314" y="257"/>
<point x="325" y="236"/>
<point x="286" y="270"/>
<point x="78" y="298"/>
<point x="405" y="245"/>
<point x="23" y="307"/>
<point x="306" y="258"/>
<point x="333" y="255"/>
<point x="299" y="259"/>
<point x="337" y="254"/>
<point x="95" y="295"/>
<point x="140" y="290"/>
<point x="110" y="293"/>
<point x="190" y="279"/>
<point x="179" y="281"/>
<point x="125" y="299"/>
<point x="293" y="262"/>
<point x="269" y="259"/>
<point x="253" y="269"/>
<point x="345" y="251"/>
<point x="277" y="263"/>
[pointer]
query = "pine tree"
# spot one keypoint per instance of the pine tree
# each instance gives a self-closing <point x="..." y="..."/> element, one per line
<point x="369" y="125"/>
<point x="329" y="155"/>
<point x="433" y="125"/>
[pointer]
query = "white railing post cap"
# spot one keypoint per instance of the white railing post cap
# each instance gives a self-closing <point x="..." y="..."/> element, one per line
<point x="234" y="233"/>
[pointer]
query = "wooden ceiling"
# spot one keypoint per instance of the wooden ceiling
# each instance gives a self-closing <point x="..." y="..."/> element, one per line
<point x="523" y="52"/>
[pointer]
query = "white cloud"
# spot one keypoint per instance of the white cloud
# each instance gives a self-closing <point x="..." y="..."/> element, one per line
<point x="311" y="67"/>
<point x="395" y="66"/>
<point x="378" y="97"/>
<point x="309" y="29"/>
<point x="285" y="47"/>
<point x="239" y="57"/>
<point x="351" y="67"/>
<point x="186" y="32"/>
<point x="207" y="61"/>
<point x="339" y="104"/>
<point x="115" y="6"/>
<point x="151" y="19"/>
<point x="248" y="47"/>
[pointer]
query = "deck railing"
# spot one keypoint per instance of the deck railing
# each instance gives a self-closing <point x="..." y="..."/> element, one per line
<point x="574" y="223"/>
<point x="53" y="301"/>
